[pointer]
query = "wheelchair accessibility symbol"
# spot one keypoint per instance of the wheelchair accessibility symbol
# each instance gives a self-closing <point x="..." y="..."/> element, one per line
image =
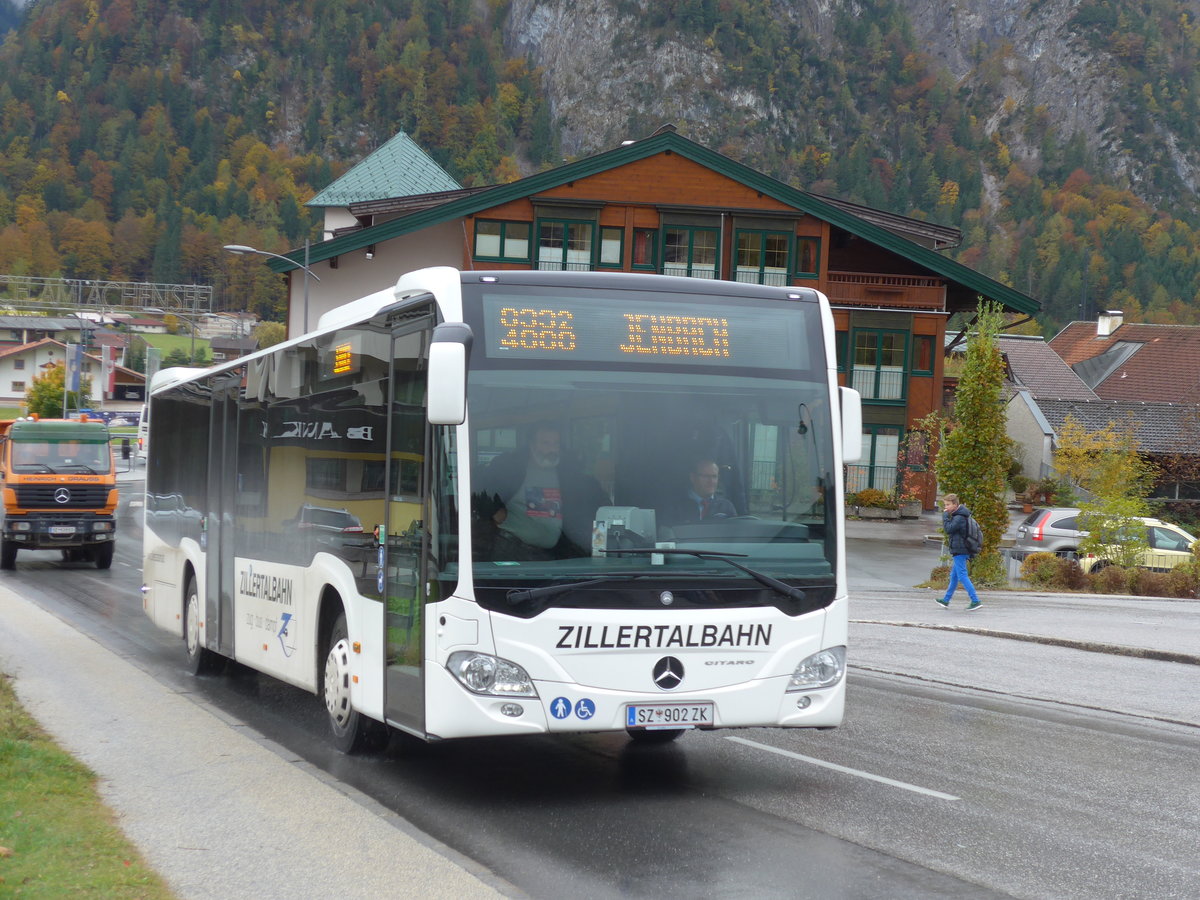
<point x="560" y="707"/>
<point x="585" y="709"/>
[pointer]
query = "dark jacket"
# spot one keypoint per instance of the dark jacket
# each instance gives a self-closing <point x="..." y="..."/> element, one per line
<point x="686" y="510"/>
<point x="581" y="497"/>
<point x="955" y="526"/>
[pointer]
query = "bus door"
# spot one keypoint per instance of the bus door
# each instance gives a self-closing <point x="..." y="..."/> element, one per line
<point x="222" y="494"/>
<point x="404" y="541"/>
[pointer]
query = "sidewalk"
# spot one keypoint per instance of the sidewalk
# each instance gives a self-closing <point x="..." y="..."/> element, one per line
<point x="216" y="809"/>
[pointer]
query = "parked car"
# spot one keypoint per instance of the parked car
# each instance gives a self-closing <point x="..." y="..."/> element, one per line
<point x="1056" y="530"/>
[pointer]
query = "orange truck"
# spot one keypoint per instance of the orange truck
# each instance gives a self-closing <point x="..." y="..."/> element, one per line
<point x="60" y="489"/>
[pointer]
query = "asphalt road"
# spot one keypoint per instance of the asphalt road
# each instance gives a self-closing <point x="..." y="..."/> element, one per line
<point x="969" y="765"/>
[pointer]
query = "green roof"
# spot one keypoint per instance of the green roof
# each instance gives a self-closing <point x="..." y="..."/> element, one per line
<point x="397" y="169"/>
<point x="667" y="142"/>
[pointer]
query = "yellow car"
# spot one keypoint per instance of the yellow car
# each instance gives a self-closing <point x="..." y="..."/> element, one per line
<point x="1168" y="546"/>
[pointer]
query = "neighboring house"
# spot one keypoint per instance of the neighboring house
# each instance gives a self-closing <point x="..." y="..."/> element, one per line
<point x="227" y="348"/>
<point x="20" y="365"/>
<point x="1155" y="363"/>
<point x="17" y="330"/>
<point x="147" y="326"/>
<point x="1035" y="373"/>
<point x="670" y="206"/>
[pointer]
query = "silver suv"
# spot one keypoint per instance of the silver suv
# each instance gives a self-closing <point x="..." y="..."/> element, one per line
<point x="1050" y="531"/>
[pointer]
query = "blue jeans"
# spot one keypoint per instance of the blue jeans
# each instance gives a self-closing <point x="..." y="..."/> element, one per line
<point x="958" y="573"/>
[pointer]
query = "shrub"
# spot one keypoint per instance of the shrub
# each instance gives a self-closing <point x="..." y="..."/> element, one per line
<point x="875" y="497"/>
<point x="1040" y="569"/>
<point x="1149" y="584"/>
<point x="1184" y="580"/>
<point x="1110" y="580"/>
<point x="939" y="578"/>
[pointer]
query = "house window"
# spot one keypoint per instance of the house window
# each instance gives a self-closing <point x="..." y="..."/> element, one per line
<point x="879" y="364"/>
<point x="690" y="251"/>
<point x="762" y="257"/>
<point x="612" y="247"/>
<point x="880" y="451"/>
<point x="840" y="340"/>
<point x="18" y="364"/>
<point x="644" y="242"/>
<point x="324" y="474"/>
<point x="507" y="241"/>
<point x="808" y="257"/>
<point x="922" y="355"/>
<point x="564" y="245"/>
<point x="18" y="387"/>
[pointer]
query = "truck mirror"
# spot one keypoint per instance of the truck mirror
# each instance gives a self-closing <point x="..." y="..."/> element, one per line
<point x="126" y="448"/>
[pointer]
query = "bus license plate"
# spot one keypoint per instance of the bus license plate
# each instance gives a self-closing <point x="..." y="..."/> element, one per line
<point x="669" y="715"/>
<point x="62" y="529"/>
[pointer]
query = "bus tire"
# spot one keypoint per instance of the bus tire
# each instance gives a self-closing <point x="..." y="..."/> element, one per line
<point x="8" y="555"/>
<point x="352" y="732"/>
<point x="103" y="555"/>
<point x="658" y="736"/>
<point x="201" y="660"/>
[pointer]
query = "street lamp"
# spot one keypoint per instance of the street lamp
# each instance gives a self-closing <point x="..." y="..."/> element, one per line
<point x="241" y="249"/>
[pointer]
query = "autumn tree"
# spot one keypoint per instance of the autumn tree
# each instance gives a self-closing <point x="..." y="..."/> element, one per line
<point x="44" y="397"/>
<point x="973" y="460"/>
<point x="1107" y="465"/>
<point x="268" y="334"/>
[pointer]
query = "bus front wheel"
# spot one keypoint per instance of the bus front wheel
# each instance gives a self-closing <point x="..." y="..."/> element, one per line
<point x="201" y="660"/>
<point x="352" y="731"/>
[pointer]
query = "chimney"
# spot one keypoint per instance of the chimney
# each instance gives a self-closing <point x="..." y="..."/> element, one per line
<point x="1108" y="322"/>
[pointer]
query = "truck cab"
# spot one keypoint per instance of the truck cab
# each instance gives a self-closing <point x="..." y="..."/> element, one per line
<point x="59" y="490"/>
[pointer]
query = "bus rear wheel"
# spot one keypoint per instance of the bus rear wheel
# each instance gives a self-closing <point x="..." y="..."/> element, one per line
<point x="201" y="660"/>
<point x="352" y="732"/>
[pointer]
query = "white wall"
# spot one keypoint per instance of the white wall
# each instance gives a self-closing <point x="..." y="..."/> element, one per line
<point x="356" y="276"/>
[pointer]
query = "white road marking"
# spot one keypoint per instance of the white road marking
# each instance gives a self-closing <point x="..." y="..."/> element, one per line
<point x="856" y="772"/>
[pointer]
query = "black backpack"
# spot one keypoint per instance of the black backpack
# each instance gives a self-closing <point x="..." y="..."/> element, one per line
<point x="974" y="538"/>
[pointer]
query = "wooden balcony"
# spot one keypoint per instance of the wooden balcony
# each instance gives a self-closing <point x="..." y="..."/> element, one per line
<point x="886" y="291"/>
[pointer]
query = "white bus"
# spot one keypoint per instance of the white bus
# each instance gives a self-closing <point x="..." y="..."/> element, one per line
<point x="359" y="511"/>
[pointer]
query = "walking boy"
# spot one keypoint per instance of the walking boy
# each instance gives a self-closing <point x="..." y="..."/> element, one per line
<point x="955" y="522"/>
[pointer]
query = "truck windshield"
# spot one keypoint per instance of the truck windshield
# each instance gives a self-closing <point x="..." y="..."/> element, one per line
<point x="61" y="456"/>
<point x="572" y="462"/>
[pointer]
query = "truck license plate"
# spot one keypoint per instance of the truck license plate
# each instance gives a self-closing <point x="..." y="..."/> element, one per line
<point x="669" y="715"/>
<point x="62" y="529"/>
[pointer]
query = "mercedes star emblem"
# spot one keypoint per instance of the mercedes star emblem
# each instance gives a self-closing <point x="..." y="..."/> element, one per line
<point x="668" y="673"/>
<point x="62" y="495"/>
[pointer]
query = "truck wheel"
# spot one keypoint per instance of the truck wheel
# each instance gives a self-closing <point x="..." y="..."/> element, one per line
<point x="8" y="555"/>
<point x="352" y="731"/>
<point x="201" y="660"/>
<point x="103" y="555"/>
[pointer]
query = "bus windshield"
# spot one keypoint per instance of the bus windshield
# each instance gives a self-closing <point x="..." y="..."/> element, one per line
<point x="582" y="468"/>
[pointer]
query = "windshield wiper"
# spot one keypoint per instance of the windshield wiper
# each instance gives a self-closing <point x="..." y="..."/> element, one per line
<point x="523" y="595"/>
<point x="89" y="469"/>
<point x="27" y="465"/>
<point x="793" y="593"/>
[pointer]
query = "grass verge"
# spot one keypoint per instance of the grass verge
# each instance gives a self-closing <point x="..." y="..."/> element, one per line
<point x="57" y="839"/>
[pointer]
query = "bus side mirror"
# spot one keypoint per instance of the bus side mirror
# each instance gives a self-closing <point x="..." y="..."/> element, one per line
<point x="126" y="448"/>
<point x="446" y="395"/>
<point x="851" y="425"/>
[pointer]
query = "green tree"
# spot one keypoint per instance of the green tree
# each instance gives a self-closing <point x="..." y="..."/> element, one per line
<point x="1106" y="464"/>
<point x="268" y="334"/>
<point x="973" y="460"/>
<point x="44" y="397"/>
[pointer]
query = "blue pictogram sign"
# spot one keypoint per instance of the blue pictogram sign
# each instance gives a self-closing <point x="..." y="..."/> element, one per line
<point x="560" y="707"/>
<point x="585" y="708"/>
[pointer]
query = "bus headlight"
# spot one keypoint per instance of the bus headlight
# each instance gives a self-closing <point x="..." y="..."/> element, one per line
<point x="821" y="670"/>
<point x="484" y="674"/>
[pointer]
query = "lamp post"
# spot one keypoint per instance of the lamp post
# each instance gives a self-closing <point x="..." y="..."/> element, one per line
<point x="241" y="249"/>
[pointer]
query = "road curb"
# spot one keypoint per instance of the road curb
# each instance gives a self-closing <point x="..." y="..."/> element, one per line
<point x="1091" y="646"/>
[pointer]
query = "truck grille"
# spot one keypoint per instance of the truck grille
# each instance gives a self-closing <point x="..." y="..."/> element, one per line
<point x="81" y="496"/>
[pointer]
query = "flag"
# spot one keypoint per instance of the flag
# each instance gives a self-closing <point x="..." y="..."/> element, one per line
<point x="110" y="371"/>
<point x="74" y="366"/>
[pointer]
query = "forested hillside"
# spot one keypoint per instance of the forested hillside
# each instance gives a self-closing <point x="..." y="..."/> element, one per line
<point x="138" y="136"/>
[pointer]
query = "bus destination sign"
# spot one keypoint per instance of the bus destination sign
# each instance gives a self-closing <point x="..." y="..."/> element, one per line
<point x="596" y="329"/>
